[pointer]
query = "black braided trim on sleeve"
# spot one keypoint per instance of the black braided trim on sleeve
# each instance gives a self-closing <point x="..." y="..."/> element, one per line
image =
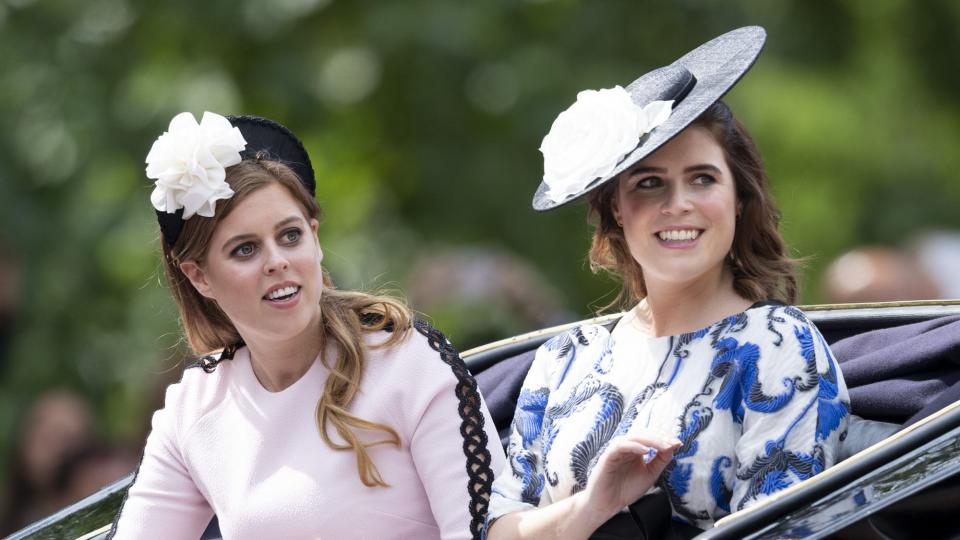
<point x="479" y="472"/>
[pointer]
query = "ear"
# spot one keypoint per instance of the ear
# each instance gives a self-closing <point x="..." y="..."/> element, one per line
<point x="315" y="226"/>
<point x="197" y="277"/>
<point x="615" y="208"/>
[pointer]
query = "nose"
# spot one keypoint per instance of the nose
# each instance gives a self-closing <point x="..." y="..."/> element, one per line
<point x="276" y="261"/>
<point x="677" y="201"/>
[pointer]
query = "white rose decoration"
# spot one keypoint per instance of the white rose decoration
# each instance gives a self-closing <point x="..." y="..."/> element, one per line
<point x="189" y="164"/>
<point x="589" y="139"/>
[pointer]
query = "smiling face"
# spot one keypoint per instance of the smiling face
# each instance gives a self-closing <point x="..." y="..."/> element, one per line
<point x="262" y="267"/>
<point x="678" y="208"/>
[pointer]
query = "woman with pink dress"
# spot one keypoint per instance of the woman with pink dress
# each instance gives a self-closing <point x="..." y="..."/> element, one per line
<point x="312" y="412"/>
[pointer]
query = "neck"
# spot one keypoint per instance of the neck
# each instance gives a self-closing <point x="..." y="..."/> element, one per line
<point x="279" y="363"/>
<point x="674" y="308"/>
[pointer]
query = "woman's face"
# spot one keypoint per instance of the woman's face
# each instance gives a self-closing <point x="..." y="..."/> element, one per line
<point x="263" y="267"/>
<point x="678" y="208"/>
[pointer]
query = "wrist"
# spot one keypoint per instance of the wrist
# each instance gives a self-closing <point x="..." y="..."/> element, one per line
<point x="587" y="513"/>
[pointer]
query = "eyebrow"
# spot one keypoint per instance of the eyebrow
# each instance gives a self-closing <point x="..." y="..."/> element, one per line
<point x="690" y="169"/>
<point x="245" y="237"/>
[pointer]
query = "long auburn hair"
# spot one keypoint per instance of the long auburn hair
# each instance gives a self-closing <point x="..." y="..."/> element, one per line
<point x="346" y="315"/>
<point x="758" y="258"/>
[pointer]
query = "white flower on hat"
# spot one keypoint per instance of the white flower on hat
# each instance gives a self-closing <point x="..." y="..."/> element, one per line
<point x="189" y="164"/>
<point x="589" y="139"/>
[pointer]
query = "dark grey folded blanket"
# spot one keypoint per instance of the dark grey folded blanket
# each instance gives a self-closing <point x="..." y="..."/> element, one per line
<point x="904" y="373"/>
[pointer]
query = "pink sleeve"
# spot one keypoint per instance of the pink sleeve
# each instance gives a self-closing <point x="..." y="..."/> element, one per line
<point x="163" y="501"/>
<point x="455" y="446"/>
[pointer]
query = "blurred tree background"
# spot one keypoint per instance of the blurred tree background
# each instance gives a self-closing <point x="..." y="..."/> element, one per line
<point x="423" y="119"/>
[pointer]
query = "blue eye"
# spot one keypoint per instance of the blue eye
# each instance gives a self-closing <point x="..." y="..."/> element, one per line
<point x="291" y="236"/>
<point x="704" y="179"/>
<point x="649" y="182"/>
<point x="244" y="250"/>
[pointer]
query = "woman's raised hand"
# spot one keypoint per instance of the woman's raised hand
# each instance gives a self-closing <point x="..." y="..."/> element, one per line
<point x="627" y="469"/>
<point x="619" y="478"/>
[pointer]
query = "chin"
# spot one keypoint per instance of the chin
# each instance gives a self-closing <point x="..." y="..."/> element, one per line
<point x="277" y="328"/>
<point x="287" y="332"/>
<point x="680" y="274"/>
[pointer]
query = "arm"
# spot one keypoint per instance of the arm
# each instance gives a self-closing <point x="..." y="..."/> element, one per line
<point x="569" y="518"/>
<point x="619" y="478"/>
<point x="454" y="445"/>
<point x="791" y="428"/>
<point x="163" y="501"/>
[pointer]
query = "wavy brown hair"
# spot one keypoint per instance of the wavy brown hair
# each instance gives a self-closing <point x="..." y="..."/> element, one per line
<point x="758" y="259"/>
<point x="345" y="315"/>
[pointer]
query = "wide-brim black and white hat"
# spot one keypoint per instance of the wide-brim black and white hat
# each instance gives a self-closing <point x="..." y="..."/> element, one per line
<point x="189" y="162"/>
<point x="607" y="131"/>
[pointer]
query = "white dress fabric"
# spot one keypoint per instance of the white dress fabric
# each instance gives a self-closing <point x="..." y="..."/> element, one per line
<point x="756" y="399"/>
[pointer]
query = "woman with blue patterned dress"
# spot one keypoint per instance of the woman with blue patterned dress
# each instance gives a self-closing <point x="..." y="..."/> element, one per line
<point x="713" y="388"/>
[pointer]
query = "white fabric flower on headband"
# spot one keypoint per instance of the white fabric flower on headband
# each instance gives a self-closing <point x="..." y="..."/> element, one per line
<point x="589" y="139"/>
<point x="189" y="164"/>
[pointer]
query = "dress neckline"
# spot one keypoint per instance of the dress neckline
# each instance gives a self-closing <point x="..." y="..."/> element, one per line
<point x="251" y="380"/>
<point x="630" y="316"/>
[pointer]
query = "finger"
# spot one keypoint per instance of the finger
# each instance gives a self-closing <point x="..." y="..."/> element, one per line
<point x="632" y="450"/>
<point x="661" y="444"/>
<point x="665" y="456"/>
<point x="624" y="452"/>
<point x="628" y="447"/>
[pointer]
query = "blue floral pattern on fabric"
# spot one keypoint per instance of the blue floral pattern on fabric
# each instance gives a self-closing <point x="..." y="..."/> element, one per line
<point x="756" y="400"/>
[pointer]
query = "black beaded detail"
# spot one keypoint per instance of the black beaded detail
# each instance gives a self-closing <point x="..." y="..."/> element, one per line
<point x="475" y="439"/>
<point x="210" y="362"/>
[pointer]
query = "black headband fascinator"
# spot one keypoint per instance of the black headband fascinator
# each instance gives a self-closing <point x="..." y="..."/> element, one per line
<point x="274" y="141"/>
<point x="189" y="163"/>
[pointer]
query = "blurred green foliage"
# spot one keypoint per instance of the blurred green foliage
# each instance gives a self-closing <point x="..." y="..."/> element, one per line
<point x="423" y="119"/>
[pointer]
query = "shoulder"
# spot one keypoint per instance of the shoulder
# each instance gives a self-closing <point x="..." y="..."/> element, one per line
<point x="770" y="321"/>
<point x="784" y="332"/>
<point x="570" y="352"/>
<point x="576" y="342"/>
<point x="415" y="342"/>
<point x="201" y="388"/>
<point x="423" y="354"/>
<point x="578" y="337"/>
<point x="776" y="311"/>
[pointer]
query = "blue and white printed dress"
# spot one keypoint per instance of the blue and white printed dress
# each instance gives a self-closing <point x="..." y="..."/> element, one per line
<point x="757" y="400"/>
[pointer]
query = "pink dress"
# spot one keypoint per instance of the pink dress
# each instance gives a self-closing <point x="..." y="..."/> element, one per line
<point x="224" y="445"/>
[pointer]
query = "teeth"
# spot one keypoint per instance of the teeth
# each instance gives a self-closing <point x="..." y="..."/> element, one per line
<point x="678" y="236"/>
<point x="286" y="291"/>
